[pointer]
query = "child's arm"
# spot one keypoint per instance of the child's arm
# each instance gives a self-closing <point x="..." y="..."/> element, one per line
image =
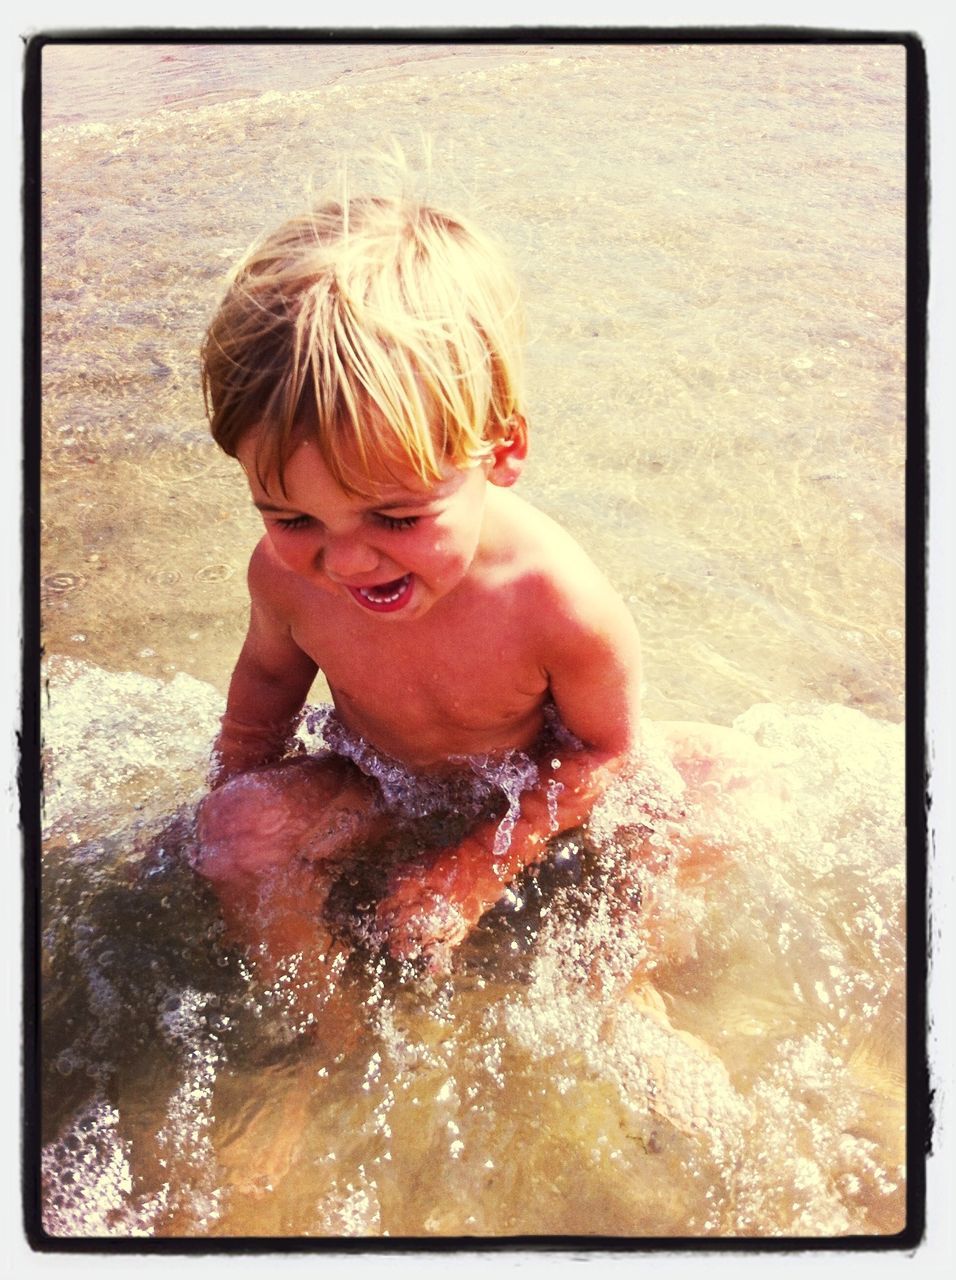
<point x="270" y="683"/>
<point x="593" y="667"/>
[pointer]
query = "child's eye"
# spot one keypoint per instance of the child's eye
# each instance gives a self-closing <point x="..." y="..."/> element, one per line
<point x="293" y="522"/>
<point x="397" y="522"/>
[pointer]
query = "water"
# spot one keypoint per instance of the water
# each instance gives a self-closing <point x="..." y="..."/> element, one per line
<point x="711" y="244"/>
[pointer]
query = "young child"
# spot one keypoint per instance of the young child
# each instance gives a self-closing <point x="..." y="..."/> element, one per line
<point x="364" y="370"/>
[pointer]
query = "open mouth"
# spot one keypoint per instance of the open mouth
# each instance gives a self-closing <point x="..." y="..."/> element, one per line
<point x="385" y="596"/>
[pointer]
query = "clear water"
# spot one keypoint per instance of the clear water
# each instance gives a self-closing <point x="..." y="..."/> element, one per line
<point x="711" y="243"/>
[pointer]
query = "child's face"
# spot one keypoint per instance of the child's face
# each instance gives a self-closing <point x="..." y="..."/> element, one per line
<point x="393" y="556"/>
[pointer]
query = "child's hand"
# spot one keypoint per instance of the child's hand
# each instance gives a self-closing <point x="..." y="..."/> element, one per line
<point x="432" y="905"/>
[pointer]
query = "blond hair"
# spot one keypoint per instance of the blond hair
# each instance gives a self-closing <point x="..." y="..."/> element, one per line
<point x="387" y="331"/>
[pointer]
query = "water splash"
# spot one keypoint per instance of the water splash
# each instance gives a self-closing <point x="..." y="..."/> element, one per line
<point x="88" y="1186"/>
<point x="675" y="1043"/>
<point x="112" y="740"/>
<point x="465" y="791"/>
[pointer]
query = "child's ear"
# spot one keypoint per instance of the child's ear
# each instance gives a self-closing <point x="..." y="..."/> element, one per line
<point x="508" y="456"/>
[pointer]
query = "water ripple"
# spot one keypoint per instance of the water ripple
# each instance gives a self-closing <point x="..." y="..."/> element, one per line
<point x="60" y="583"/>
<point x="215" y="573"/>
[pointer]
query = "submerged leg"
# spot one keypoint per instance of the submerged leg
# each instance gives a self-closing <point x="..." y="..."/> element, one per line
<point x="312" y="809"/>
<point x="271" y="843"/>
<point x="718" y="761"/>
<point x="734" y="787"/>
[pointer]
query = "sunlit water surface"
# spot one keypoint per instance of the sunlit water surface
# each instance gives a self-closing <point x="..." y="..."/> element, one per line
<point x="711" y="244"/>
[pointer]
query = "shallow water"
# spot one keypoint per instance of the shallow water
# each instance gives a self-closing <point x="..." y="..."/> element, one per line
<point x="711" y="242"/>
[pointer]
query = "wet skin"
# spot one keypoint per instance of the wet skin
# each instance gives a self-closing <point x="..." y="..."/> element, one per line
<point x="444" y="618"/>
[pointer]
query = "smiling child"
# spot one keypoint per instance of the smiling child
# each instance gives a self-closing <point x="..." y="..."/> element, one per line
<point x="364" y="369"/>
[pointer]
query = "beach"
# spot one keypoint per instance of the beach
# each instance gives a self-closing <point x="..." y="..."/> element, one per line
<point x="711" y="245"/>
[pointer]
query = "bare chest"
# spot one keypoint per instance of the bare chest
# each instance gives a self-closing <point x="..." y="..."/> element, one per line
<point x="461" y="684"/>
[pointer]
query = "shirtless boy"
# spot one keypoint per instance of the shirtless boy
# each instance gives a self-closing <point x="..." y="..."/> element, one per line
<point x="364" y="370"/>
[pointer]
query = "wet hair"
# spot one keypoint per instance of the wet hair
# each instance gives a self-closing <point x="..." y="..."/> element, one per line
<point x="385" y="330"/>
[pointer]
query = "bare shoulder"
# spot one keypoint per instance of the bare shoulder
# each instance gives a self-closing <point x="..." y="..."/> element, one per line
<point x="574" y="601"/>
<point x="272" y="585"/>
<point x="584" y="637"/>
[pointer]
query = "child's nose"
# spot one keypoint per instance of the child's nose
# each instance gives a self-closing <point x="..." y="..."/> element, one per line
<point x="348" y="556"/>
